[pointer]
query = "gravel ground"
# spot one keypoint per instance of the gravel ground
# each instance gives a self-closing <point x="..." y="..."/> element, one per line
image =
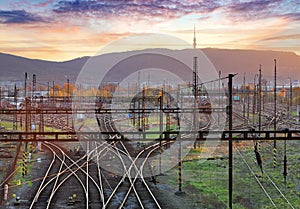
<point x="170" y="199"/>
<point x="28" y="184"/>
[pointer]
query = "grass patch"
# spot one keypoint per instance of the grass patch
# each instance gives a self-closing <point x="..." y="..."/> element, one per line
<point x="208" y="179"/>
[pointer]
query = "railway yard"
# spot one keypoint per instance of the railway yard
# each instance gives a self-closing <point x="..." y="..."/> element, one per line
<point x="127" y="168"/>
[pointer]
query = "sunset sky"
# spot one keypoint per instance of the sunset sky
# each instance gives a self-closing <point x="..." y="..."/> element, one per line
<point x="66" y="29"/>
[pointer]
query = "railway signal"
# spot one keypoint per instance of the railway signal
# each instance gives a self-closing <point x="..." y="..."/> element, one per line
<point x="17" y="199"/>
<point x="72" y="199"/>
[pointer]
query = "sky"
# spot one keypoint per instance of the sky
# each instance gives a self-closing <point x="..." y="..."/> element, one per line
<point x="66" y="29"/>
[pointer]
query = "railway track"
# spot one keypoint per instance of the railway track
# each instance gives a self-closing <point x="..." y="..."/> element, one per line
<point x="268" y="186"/>
<point x="98" y="188"/>
<point x="132" y="185"/>
<point x="73" y="183"/>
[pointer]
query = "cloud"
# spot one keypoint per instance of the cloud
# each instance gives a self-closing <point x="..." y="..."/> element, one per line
<point x="151" y="10"/>
<point x="262" y="9"/>
<point x="283" y="37"/>
<point x="257" y="9"/>
<point x="292" y="16"/>
<point x="44" y="4"/>
<point x="19" y="17"/>
<point x="254" y="6"/>
<point x="162" y="10"/>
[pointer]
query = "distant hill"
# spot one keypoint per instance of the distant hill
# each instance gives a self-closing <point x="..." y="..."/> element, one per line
<point x="248" y="61"/>
<point x="13" y="68"/>
<point x="235" y="61"/>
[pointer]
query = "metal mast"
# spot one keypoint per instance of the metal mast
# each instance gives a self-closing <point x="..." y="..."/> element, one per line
<point x="275" y="100"/>
<point x="259" y="99"/>
<point x="275" y="116"/>
<point x="230" y="150"/>
<point x="195" y="91"/>
<point x="194" y="41"/>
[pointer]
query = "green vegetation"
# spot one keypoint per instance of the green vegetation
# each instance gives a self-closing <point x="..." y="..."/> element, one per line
<point x="18" y="179"/>
<point x="10" y="125"/>
<point x="207" y="180"/>
<point x="156" y="129"/>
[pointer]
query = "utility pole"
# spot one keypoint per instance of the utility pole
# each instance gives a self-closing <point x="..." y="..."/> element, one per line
<point x="291" y="98"/>
<point x="195" y="79"/>
<point x="143" y="112"/>
<point x="219" y="97"/>
<point x="48" y="89"/>
<point x="168" y="117"/>
<point x="53" y="89"/>
<point x="195" y="91"/>
<point x="285" y="164"/>
<point x="26" y="108"/>
<point x="33" y="104"/>
<point x="25" y="91"/>
<point x="180" y="163"/>
<point x="139" y="100"/>
<point x="0" y="96"/>
<point x="289" y="110"/>
<point x="179" y="158"/>
<point x="244" y="104"/>
<point x="41" y="126"/>
<point x="15" y="125"/>
<point x="275" y="101"/>
<point x="275" y="117"/>
<point x="68" y="99"/>
<point x="254" y="100"/>
<point x="259" y="99"/>
<point x="248" y="104"/>
<point x="25" y="85"/>
<point x="230" y="76"/>
<point x="265" y="93"/>
<point x="161" y="119"/>
<point x="68" y="90"/>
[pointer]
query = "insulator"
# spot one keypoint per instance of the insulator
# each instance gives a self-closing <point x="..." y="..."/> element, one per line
<point x="259" y="160"/>
<point x="258" y="157"/>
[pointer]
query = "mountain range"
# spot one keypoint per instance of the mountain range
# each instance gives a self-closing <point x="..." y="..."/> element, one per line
<point x="12" y="68"/>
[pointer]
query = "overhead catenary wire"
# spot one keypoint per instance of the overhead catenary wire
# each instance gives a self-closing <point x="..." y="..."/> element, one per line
<point x="256" y="178"/>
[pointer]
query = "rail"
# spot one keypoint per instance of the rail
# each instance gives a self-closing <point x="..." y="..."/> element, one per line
<point x="116" y="136"/>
